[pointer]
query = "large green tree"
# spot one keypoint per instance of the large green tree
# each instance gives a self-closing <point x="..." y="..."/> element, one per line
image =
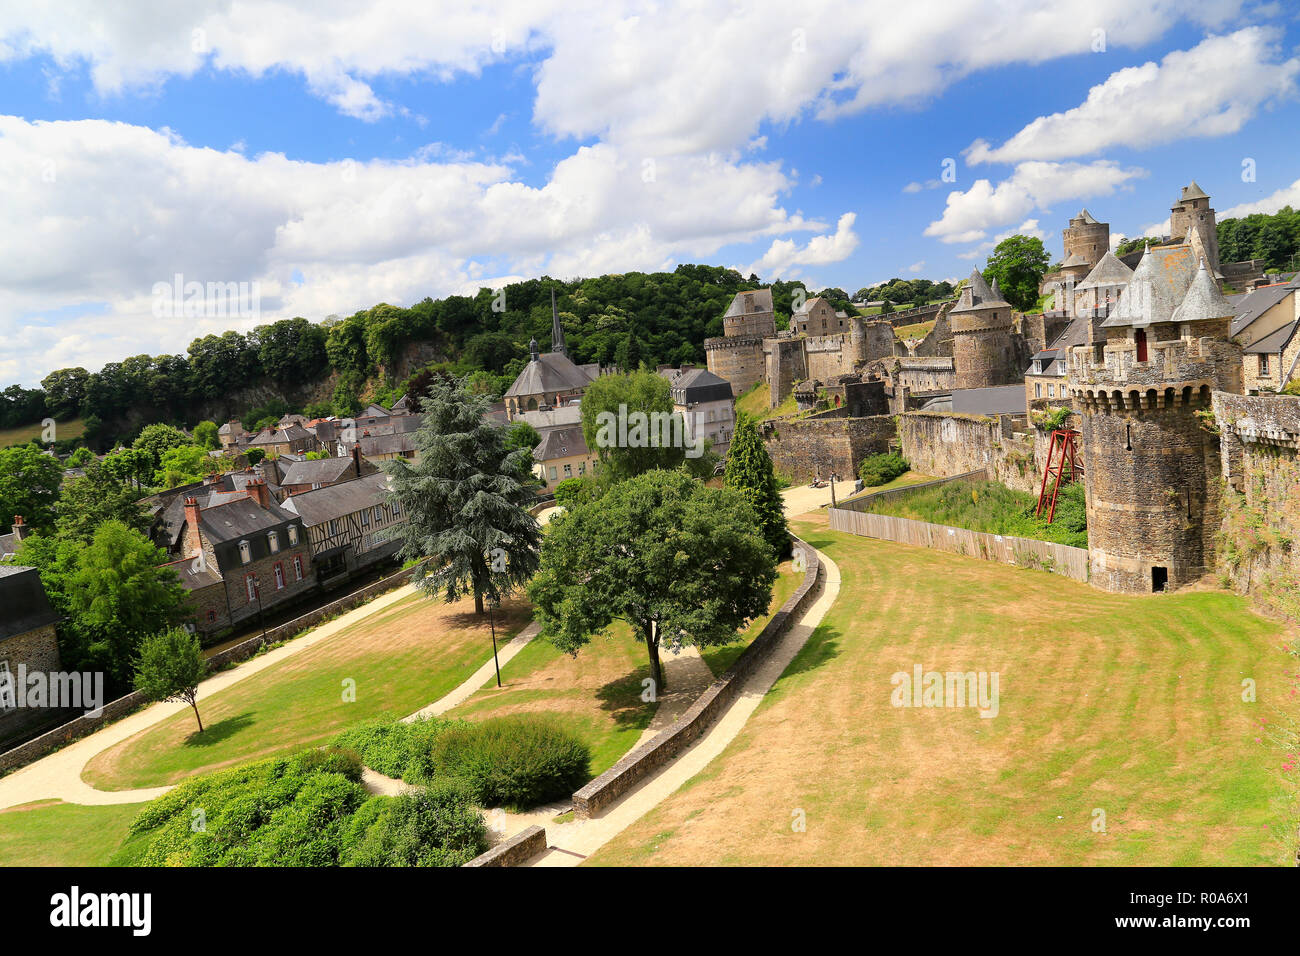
<point x="466" y="500"/>
<point x="680" y="562"/>
<point x="750" y="472"/>
<point x="29" y="486"/>
<point x="1018" y="263"/>
<point x="628" y="421"/>
<point x="113" y="592"/>
<point x="88" y="501"/>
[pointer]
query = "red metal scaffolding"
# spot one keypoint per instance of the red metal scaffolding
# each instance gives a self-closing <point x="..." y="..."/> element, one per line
<point x="1062" y="452"/>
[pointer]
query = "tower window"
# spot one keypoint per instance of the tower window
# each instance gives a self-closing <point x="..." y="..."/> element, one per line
<point x="1263" y="364"/>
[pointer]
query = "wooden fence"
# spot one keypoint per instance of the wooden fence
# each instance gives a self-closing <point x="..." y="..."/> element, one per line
<point x="853" y="517"/>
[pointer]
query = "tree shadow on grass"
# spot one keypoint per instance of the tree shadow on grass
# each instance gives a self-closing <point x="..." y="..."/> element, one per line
<point x="823" y="645"/>
<point x="622" y="698"/>
<point x="221" y="730"/>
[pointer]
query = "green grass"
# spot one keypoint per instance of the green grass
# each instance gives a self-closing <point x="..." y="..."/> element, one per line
<point x="63" y="834"/>
<point x="1131" y="705"/>
<point x="72" y="428"/>
<point x="754" y="401"/>
<point x="595" y="695"/>
<point x="401" y="658"/>
<point x="917" y="330"/>
<point x="902" y="481"/>
<point x="992" y="507"/>
<point x="721" y="657"/>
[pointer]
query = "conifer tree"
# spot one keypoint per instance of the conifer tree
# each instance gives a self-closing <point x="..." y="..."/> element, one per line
<point x="749" y="471"/>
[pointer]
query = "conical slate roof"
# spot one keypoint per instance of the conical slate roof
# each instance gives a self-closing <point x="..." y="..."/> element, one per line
<point x="1159" y="284"/>
<point x="981" y="295"/>
<point x="1204" y="300"/>
<point x="1109" y="271"/>
<point x="1087" y="217"/>
<point x="1193" y="191"/>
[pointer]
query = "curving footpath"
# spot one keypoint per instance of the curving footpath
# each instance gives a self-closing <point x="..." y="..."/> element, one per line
<point x="570" y="843"/>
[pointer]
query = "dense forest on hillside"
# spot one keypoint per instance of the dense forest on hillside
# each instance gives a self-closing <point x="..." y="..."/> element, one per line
<point x="655" y="318"/>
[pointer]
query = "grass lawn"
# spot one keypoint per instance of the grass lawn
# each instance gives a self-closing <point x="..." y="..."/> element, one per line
<point x="902" y="481"/>
<point x="401" y="658"/>
<point x="992" y="507"/>
<point x="1128" y="705"/>
<point x="917" y="330"/>
<point x="754" y="401"/>
<point x="53" y="833"/>
<point x="72" y="428"/>
<point x="721" y="657"/>
<point x="595" y="695"/>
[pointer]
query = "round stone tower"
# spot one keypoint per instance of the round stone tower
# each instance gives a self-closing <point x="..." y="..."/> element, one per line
<point x="1150" y="467"/>
<point x="1087" y="239"/>
<point x="983" y="349"/>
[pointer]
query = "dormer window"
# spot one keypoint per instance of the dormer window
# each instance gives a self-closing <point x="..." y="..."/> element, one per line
<point x="245" y="552"/>
<point x="293" y="534"/>
<point x="274" y="540"/>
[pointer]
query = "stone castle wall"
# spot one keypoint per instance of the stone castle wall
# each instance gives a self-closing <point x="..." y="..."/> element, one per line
<point x="984" y="351"/>
<point x="802" y="449"/>
<point x="945" y="445"/>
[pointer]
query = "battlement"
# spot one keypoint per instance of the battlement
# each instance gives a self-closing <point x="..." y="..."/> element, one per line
<point x="1116" y="363"/>
<point x="999" y="320"/>
<point x="733" y="342"/>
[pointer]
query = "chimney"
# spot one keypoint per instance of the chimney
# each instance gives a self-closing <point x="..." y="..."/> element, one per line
<point x="256" y="490"/>
<point x="356" y="461"/>
<point x="193" y="542"/>
<point x="21" y="528"/>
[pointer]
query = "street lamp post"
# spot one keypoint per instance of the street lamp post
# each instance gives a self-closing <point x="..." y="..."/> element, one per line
<point x="493" y="601"/>
<point x="261" y="616"/>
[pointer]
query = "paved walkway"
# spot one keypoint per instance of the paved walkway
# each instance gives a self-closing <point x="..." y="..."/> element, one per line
<point x="806" y="498"/>
<point x="58" y="775"/>
<point x="476" y="680"/>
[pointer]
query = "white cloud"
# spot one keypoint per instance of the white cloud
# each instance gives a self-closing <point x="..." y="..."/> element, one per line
<point x="1286" y="196"/>
<point x="1210" y="90"/>
<point x="97" y="212"/>
<point x="968" y="216"/>
<point x="673" y="77"/>
<point x="1029" y="227"/>
<point x="785" y="255"/>
<point x="916" y="266"/>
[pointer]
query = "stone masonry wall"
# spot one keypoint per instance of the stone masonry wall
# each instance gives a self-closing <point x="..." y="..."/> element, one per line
<point x="946" y="445"/>
<point x="802" y="449"/>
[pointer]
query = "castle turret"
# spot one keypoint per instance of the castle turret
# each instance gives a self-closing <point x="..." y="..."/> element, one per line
<point x="1150" y="468"/>
<point x="1192" y="214"/>
<point x="983" y="349"/>
<point x="737" y="355"/>
<point x="1086" y="241"/>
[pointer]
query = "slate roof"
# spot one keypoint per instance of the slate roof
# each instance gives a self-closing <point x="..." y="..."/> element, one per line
<point x="808" y="305"/>
<point x="1251" y="305"/>
<point x="194" y="580"/>
<point x="1157" y="287"/>
<point x="999" y="400"/>
<point x="23" y="598"/>
<point x="749" y="303"/>
<point x="387" y="444"/>
<point x="982" y="296"/>
<point x="552" y="417"/>
<point x="1203" y="300"/>
<point x="320" y="471"/>
<point x="1087" y="217"/>
<point x="277" y="436"/>
<point x="1193" y="191"/>
<point x="241" y="518"/>
<point x="348" y="497"/>
<point x="698" y="385"/>
<point x="561" y="443"/>
<point x="549" y="372"/>
<point x="1109" y="271"/>
<point x="1274" y="342"/>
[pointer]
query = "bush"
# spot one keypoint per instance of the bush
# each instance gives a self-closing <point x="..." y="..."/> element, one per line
<point x="515" y="762"/>
<point x="340" y="760"/>
<point x="437" y="826"/>
<point x="396" y="749"/>
<point x="882" y="469"/>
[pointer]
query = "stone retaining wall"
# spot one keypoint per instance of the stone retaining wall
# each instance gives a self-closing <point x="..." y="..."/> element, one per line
<point x="655" y="753"/>
<point x="520" y="848"/>
<point x="114" y="710"/>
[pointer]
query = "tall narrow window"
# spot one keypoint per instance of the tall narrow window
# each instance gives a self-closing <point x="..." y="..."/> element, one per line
<point x="250" y="584"/>
<point x="245" y="552"/>
<point x="279" y="576"/>
<point x="1263" y="364"/>
<point x="1140" y="337"/>
<point x="297" y="567"/>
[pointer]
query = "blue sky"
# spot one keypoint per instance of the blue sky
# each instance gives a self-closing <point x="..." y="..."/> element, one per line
<point x="341" y="155"/>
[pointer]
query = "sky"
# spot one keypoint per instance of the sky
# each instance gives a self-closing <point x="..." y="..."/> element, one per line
<point x="331" y="155"/>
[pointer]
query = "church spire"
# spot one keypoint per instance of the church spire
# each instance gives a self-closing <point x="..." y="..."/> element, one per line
<point x="557" y="332"/>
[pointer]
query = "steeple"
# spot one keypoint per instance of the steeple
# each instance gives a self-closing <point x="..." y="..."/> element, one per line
<point x="557" y="332"/>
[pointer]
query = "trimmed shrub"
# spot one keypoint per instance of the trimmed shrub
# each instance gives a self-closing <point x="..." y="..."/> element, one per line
<point x="396" y="749"/>
<point x="437" y="826"/>
<point x="882" y="469"/>
<point x="341" y="760"/>
<point x="515" y="762"/>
